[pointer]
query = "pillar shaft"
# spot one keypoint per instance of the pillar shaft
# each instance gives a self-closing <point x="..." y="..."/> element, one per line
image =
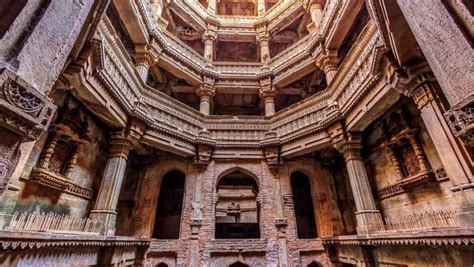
<point x="264" y="50"/>
<point x="107" y="199"/>
<point x="368" y="216"/>
<point x="142" y="69"/>
<point x="269" y="105"/>
<point x="449" y="150"/>
<point x="261" y="8"/>
<point x="205" y="105"/>
<point x="316" y="11"/>
<point x="212" y="7"/>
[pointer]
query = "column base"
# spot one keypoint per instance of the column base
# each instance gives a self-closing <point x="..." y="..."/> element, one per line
<point x="369" y="221"/>
<point x="107" y="219"/>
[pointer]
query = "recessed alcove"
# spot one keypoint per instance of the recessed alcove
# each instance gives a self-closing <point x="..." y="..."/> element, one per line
<point x="303" y="203"/>
<point x="237" y="210"/>
<point x="170" y="204"/>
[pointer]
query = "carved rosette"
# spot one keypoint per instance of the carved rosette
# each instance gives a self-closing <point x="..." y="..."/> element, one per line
<point x="23" y="109"/>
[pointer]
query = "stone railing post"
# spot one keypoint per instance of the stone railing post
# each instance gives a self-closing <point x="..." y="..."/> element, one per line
<point x="368" y="217"/>
<point x="107" y="199"/>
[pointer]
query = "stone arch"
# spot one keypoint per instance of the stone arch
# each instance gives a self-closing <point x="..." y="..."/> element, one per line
<point x="149" y="194"/>
<point x="237" y="217"/>
<point x="252" y="172"/>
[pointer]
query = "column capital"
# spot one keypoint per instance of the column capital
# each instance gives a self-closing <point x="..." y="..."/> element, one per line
<point x="209" y="35"/>
<point x="327" y="60"/>
<point x="267" y="89"/>
<point x="206" y="88"/>
<point x="122" y="140"/>
<point x="145" y="55"/>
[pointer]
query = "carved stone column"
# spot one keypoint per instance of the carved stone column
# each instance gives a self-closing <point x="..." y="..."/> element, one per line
<point x="422" y="87"/>
<point x="156" y="8"/>
<point x="263" y="40"/>
<point x="328" y="62"/>
<point x="144" y="60"/>
<point x="209" y="38"/>
<point x="368" y="216"/>
<point x="107" y="199"/>
<point x="212" y="6"/>
<point x="267" y="94"/>
<point x="316" y="11"/>
<point x="206" y="92"/>
<point x="49" y="150"/>
<point x="452" y="155"/>
<point x="261" y="8"/>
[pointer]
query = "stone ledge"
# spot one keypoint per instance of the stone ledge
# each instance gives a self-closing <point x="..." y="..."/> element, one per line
<point x="30" y="240"/>
<point x="432" y="237"/>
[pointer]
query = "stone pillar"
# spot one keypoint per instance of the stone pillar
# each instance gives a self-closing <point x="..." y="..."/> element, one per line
<point x="269" y="101"/>
<point x="267" y="94"/>
<point x="368" y="216"/>
<point x="316" y="12"/>
<point x="328" y="62"/>
<point x="263" y="41"/>
<point x="261" y="8"/>
<point x="144" y="60"/>
<point x="208" y="38"/>
<point x="206" y="92"/>
<point x="446" y="48"/>
<point x="452" y="155"/>
<point x="108" y="195"/>
<point x="48" y="151"/>
<point x="157" y="8"/>
<point x="212" y="7"/>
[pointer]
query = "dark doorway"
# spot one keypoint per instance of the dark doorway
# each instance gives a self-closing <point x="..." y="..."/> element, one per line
<point x="170" y="204"/>
<point x="303" y="203"/>
<point x="314" y="264"/>
<point x="237" y="211"/>
<point x="238" y="264"/>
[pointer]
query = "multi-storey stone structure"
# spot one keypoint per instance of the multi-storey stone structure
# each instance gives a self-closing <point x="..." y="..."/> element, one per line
<point x="236" y="133"/>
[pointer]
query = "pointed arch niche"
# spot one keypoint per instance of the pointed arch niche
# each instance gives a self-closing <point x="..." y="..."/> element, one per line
<point x="170" y="206"/>
<point x="303" y="206"/>
<point x="237" y="210"/>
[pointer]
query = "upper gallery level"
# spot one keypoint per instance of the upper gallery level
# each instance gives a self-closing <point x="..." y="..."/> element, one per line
<point x="248" y="57"/>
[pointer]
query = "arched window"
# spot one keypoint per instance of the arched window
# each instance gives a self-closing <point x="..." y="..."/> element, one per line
<point x="162" y="264"/>
<point x="314" y="264"/>
<point x="170" y="204"/>
<point x="237" y="213"/>
<point x="303" y="203"/>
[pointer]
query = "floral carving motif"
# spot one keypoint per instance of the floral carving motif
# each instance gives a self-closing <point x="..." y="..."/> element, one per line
<point x="21" y="98"/>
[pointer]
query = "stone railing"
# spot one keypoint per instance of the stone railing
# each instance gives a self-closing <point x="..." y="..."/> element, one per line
<point x="51" y="222"/>
<point x="173" y="118"/>
<point x="422" y="220"/>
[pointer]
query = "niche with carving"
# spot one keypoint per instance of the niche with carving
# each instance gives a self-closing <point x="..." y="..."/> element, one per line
<point x="237" y="214"/>
<point x="405" y="150"/>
